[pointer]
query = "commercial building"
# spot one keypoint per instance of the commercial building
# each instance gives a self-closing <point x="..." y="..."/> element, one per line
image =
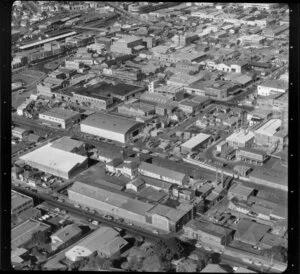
<point x="65" y="118"/>
<point x="241" y="192"/>
<point x="270" y="87"/>
<point x="216" y="89"/>
<point x="208" y="232"/>
<point x="70" y="145"/>
<point x="195" y="143"/>
<point x="80" y="40"/>
<point x="22" y="234"/>
<point x="105" y="241"/>
<point x="250" y="232"/>
<point x="119" y="205"/>
<point x="156" y="98"/>
<point x="271" y="133"/>
<point x="126" y="44"/>
<point x="136" y="109"/>
<point x="189" y="106"/>
<point x="112" y="127"/>
<point x="131" y="74"/>
<point x="64" y="236"/>
<point x="241" y="139"/>
<point x="20" y="203"/>
<point x="251" y="155"/>
<point x="50" y="85"/>
<point x="163" y="174"/>
<point x="56" y="161"/>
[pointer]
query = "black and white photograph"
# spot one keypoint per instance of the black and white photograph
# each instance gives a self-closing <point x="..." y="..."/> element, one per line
<point x="150" y="136"/>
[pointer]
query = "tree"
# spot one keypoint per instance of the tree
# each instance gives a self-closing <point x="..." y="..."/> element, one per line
<point x="169" y="249"/>
<point x="187" y="265"/>
<point x="278" y="253"/>
<point x="154" y="263"/>
<point x="39" y="238"/>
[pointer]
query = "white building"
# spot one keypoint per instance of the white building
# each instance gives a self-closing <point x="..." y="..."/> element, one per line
<point x="241" y="139"/>
<point x="270" y="87"/>
<point x="195" y="142"/>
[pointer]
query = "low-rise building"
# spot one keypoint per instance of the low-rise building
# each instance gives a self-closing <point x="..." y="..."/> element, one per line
<point x="250" y="232"/>
<point x="65" y="236"/>
<point x="272" y="87"/>
<point x="195" y="143"/>
<point x="19" y="132"/>
<point x="105" y="240"/>
<point x="58" y="116"/>
<point x="242" y="193"/>
<point x="251" y="155"/>
<point x="163" y="174"/>
<point x="241" y="138"/>
<point x="20" y="203"/>
<point x="208" y="232"/>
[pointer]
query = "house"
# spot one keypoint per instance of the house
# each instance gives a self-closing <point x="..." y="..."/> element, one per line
<point x="64" y="236"/>
<point x="136" y="185"/>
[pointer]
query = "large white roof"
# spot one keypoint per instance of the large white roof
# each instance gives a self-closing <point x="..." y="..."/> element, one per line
<point x="240" y="137"/>
<point x="54" y="158"/>
<point x="269" y="128"/>
<point x="196" y="140"/>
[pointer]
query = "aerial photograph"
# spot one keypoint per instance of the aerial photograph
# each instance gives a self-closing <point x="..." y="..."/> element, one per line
<point x="149" y="136"/>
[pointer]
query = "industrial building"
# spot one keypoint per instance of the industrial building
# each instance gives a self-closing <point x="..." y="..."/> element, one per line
<point x="56" y="161"/>
<point x="112" y="127"/>
<point x="251" y="155"/>
<point x="65" y="118"/>
<point x="19" y="132"/>
<point x="136" y="109"/>
<point x="242" y="193"/>
<point x="163" y="174"/>
<point x="118" y="205"/>
<point x="241" y="138"/>
<point x="208" y="232"/>
<point x="20" y="203"/>
<point x="271" y="133"/>
<point x="105" y="241"/>
<point x="195" y="143"/>
<point x="270" y="87"/>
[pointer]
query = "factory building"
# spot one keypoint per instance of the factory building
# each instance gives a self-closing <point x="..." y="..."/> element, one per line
<point x="250" y="155"/>
<point x="195" y="143"/>
<point x="163" y="174"/>
<point x="241" y="139"/>
<point x="59" y="116"/>
<point x="112" y="127"/>
<point x="118" y="205"/>
<point x="270" y="87"/>
<point x="271" y="133"/>
<point x="20" y="203"/>
<point x="56" y="161"/>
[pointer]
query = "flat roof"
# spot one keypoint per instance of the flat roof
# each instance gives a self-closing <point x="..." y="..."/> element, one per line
<point x="241" y="190"/>
<point x="61" y="113"/>
<point x="67" y="232"/>
<point x="162" y="171"/>
<point x="278" y="84"/>
<point x="240" y="136"/>
<point x="53" y="158"/>
<point x="253" y="150"/>
<point x="269" y="128"/>
<point x="110" y="122"/>
<point x="67" y="144"/>
<point x="111" y="198"/>
<point x="18" y="199"/>
<point x="172" y="214"/>
<point x="210" y="228"/>
<point x="196" y="140"/>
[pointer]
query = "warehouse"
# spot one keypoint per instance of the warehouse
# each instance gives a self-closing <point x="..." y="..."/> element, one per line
<point x="65" y="118"/>
<point x="253" y="156"/>
<point x="117" y="205"/>
<point x="270" y="133"/>
<point x="195" y="143"/>
<point x="163" y="174"/>
<point x="56" y="161"/>
<point x="112" y="127"/>
<point x="109" y="202"/>
<point x="241" y="139"/>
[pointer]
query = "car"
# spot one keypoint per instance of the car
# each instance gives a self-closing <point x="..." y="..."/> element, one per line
<point x="131" y="224"/>
<point x="108" y="217"/>
<point x="155" y="231"/>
